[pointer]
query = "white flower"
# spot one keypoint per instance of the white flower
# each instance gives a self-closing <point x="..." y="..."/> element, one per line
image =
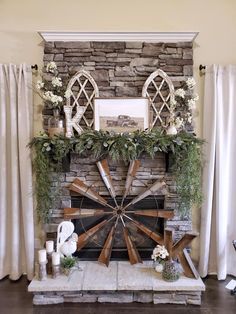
<point x="189" y="117"/>
<point x="49" y="96"/>
<point x="39" y="85"/>
<point x="180" y="92"/>
<point x="179" y="122"/>
<point x="190" y="82"/>
<point x="195" y="97"/>
<point x="56" y="81"/>
<point x="56" y="99"/>
<point x="159" y="252"/>
<point x="51" y="67"/>
<point x="191" y="104"/>
<point x="173" y="102"/>
<point x="68" y="93"/>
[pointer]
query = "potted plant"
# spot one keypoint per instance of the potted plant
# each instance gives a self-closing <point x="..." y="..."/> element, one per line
<point x="67" y="263"/>
<point x="53" y="91"/>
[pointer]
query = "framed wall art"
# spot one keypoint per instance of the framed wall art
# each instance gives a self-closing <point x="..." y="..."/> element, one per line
<point x="121" y="114"/>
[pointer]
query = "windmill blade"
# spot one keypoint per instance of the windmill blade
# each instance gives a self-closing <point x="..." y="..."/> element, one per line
<point x="105" y="255"/>
<point x="134" y="256"/>
<point x="133" y="253"/>
<point x="133" y="168"/>
<point x="151" y="234"/>
<point x="159" y="213"/>
<point x="76" y="213"/>
<point x="106" y="177"/>
<point x="85" y="237"/>
<point x="157" y="186"/>
<point x="80" y="187"/>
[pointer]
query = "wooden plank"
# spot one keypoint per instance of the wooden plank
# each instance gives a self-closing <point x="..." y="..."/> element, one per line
<point x="134" y="256"/>
<point x="76" y="213"/>
<point x="191" y="265"/>
<point x="183" y="242"/>
<point x="80" y="187"/>
<point x="133" y="168"/>
<point x="159" y="213"/>
<point x="85" y="237"/>
<point x="168" y="240"/>
<point x="157" y="186"/>
<point x="105" y="255"/>
<point x="106" y="176"/>
<point x="187" y="264"/>
<point x="151" y="234"/>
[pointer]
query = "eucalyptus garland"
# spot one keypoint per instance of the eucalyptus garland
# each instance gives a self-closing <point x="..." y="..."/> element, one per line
<point x="184" y="147"/>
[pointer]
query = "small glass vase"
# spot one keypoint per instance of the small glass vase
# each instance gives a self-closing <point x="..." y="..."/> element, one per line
<point x="170" y="271"/>
<point x="56" y="124"/>
<point x="171" y="130"/>
<point x="66" y="271"/>
<point x="158" y="267"/>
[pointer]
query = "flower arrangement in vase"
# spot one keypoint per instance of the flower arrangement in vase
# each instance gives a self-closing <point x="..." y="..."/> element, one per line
<point x="159" y="256"/>
<point x="54" y="94"/>
<point x="182" y="107"/>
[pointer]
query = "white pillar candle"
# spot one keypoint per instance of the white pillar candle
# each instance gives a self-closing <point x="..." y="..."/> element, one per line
<point x="49" y="246"/>
<point x="56" y="258"/>
<point x="42" y="255"/>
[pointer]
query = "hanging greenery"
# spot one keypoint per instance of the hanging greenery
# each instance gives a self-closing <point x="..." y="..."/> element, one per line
<point x="185" y="148"/>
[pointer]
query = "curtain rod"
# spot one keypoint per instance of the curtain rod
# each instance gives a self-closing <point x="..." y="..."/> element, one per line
<point x="34" y="67"/>
<point x="202" y="67"/>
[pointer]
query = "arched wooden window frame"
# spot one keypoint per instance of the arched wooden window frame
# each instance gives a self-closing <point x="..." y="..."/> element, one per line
<point x="73" y="122"/>
<point x="166" y="100"/>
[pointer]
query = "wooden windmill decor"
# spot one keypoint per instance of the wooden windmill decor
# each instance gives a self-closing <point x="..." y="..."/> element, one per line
<point x="116" y="213"/>
<point x="121" y="214"/>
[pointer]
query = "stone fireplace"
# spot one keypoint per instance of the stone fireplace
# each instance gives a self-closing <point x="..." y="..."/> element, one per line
<point x="120" y="70"/>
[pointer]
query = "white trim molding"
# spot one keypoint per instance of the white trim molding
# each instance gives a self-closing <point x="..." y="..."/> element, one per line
<point x="119" y="36"/>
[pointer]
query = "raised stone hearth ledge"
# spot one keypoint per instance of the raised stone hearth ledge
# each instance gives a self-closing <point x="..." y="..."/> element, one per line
<point x="119" y="283"/>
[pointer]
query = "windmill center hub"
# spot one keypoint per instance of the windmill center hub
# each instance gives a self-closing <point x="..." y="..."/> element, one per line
<point x="119" y="211"/>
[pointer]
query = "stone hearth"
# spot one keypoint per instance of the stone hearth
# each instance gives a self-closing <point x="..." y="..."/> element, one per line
<point x="118" y="283"/>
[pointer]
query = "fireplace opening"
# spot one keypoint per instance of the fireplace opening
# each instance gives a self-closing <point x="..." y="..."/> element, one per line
<point x="143" y="243"/>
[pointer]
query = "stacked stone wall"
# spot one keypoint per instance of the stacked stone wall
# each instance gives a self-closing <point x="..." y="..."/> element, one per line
<point x="120" y="70"/>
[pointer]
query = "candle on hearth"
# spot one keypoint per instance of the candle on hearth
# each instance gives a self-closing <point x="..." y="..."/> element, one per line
<point x="42" y="255"/>
<point x="56" y="258"/>
<point x="49" y="246"/>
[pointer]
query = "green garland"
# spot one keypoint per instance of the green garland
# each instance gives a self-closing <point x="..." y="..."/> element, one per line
<point x="185" y="148"/>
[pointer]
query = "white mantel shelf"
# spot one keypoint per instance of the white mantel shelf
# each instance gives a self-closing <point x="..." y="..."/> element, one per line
<point x="154" y="37"/>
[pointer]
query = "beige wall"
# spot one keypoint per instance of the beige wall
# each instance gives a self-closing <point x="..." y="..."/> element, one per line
<point x="215" y="20"/>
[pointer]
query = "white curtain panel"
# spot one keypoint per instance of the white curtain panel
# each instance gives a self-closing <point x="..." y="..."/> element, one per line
<point x="218" y="215"/>
<point x="16" y="200"/>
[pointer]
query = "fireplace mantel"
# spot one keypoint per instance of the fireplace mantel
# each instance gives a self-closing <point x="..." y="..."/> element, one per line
<point x="155" y="37"/>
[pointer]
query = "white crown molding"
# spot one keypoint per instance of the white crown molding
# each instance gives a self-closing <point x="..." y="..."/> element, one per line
<point x="119" y="36"/>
